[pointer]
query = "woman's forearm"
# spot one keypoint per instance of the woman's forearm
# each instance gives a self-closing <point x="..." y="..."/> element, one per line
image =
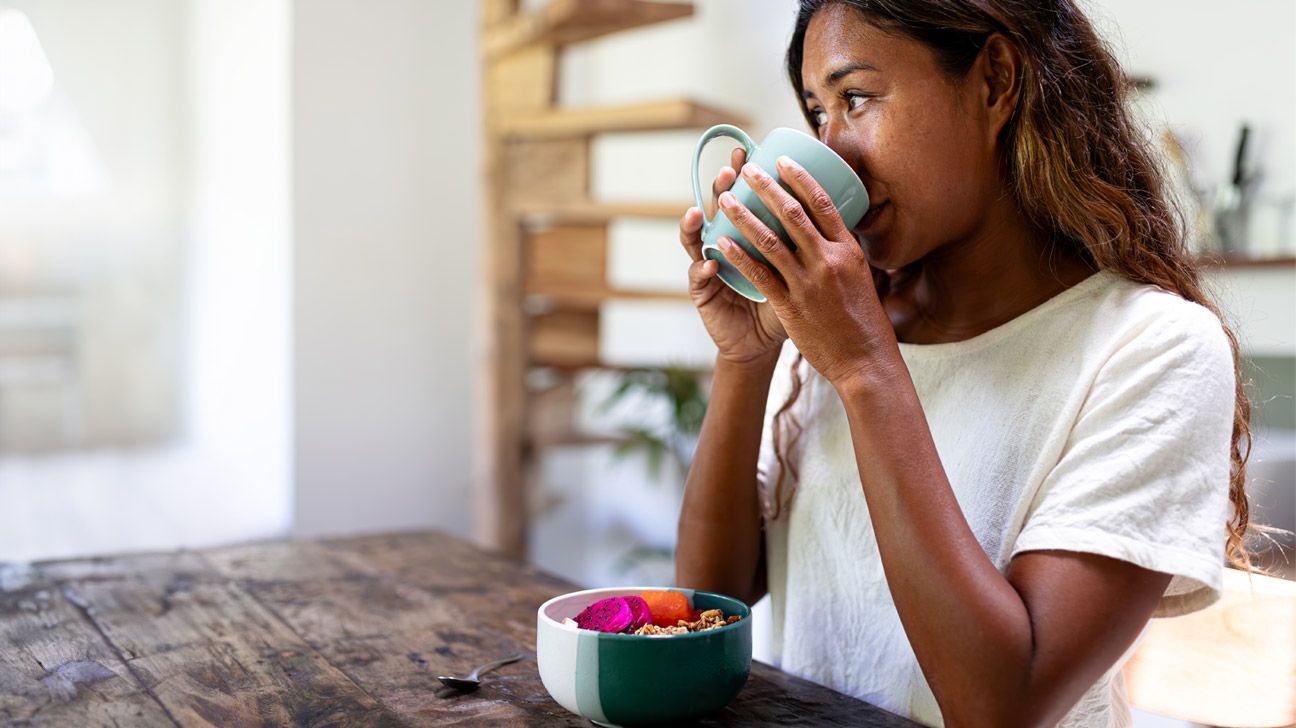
<point x="720" y="521"/>
<point x="968" y="626"/>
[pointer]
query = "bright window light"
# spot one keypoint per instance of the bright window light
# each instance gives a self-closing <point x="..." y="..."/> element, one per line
<point x="26" y="78"/>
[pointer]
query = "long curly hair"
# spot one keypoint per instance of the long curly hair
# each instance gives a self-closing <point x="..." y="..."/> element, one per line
<point x="1080" y="168"/>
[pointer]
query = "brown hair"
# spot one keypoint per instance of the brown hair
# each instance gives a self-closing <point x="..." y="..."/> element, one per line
<point x="1079" y="167"/>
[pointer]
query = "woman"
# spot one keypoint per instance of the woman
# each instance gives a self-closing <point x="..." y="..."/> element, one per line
<point x="1002" y="424"/>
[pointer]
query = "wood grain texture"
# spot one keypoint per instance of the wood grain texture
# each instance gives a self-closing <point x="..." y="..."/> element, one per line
<point x="206" y="649"/>
<point x="337" y="632"/>
<point x="56" y="668"/>
<point x="544" y="171"/>
<point x="567" y="256"/>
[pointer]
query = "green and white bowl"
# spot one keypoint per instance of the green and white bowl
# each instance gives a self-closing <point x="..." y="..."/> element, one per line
<point x="634" y="680"/>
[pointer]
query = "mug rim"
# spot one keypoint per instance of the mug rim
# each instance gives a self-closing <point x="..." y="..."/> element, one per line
<point x="830" y="150"/>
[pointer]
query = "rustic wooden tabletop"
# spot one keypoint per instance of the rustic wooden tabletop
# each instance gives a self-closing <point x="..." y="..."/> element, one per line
<point x="332" y="632"/>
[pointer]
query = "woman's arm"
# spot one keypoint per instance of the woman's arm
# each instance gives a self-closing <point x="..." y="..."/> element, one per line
<point x="996" y="651"/>
<point x="720" y="522"/>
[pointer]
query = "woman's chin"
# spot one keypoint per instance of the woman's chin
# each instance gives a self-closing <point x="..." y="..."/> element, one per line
<point x="877" y="252"/>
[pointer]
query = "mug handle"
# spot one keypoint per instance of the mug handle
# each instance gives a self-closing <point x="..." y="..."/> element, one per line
<point x="718" y="130"/>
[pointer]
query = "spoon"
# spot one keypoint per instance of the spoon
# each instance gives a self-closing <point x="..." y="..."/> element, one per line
<point x="472" y="682"/>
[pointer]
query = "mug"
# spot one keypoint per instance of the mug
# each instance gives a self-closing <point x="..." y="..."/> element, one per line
<point x="832" y="173"/>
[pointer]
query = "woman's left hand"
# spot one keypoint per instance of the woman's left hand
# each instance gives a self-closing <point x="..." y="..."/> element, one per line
<point x="825" y="291"/>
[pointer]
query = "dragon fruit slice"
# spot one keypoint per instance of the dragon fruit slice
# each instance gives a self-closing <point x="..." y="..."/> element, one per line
<point x="639" y="608"/>
<point x="606" y="615"/>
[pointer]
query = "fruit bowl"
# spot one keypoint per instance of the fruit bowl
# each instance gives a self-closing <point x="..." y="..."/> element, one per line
<point x="640" y="680"/>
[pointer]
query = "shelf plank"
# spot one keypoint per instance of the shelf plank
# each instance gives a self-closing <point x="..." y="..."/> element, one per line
<point x="541" y="214"/>
<point x="564" y="337"/>
<point x="566" y="257"/>
<point x="556" y="298"/>
<point x="574" y="439"/>
<point x="570" y="21"/>
<point x="596" y="365"/>
<point x="584" y="121"/>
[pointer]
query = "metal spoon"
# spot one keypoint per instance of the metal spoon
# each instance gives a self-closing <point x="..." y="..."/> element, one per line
<point x="472" y="682"/>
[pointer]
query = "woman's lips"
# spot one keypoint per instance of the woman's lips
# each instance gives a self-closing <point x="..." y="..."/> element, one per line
<point x="871" y="217"/>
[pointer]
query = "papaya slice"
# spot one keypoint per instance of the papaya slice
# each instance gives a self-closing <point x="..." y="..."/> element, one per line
<point x="667" y="607"/>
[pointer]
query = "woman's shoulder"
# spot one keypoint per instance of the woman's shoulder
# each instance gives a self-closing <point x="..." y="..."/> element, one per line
<point x="1145" y="315"/>
<point x="1141" y="333"/>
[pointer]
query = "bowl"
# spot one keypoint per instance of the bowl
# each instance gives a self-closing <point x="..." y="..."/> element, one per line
<point x="640" y="680"/>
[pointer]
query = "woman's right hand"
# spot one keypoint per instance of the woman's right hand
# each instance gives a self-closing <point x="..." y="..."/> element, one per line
<point x="743" y="330"/>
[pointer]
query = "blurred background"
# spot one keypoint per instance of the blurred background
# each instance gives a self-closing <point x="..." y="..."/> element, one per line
<point x="260" y="263"/>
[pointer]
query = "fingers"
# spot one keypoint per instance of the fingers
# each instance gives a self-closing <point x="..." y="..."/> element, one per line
<point x="703" y="281"/>
<point x="738" y="157"/>
<point x="691" y="232"/>
<point x="813" y="200"/>
<point x="758" y="234"/>
<point x="759" y="274"/>
<point x="723" y="181"/>
<point x="788" y="209"/>
<point x="727" y="176"/>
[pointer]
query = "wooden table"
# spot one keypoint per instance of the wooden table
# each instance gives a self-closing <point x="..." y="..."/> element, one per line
<point x="334" y="632"/>
<point x="1231" y="664"/>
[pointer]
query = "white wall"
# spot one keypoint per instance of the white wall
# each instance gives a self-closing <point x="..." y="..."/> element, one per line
<point x="1216" y="65"/>
<point x="386" y="220"/>
<point x="238" y="274"/>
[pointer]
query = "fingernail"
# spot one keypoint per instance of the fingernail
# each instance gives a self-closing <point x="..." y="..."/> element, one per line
<point x="787" y="163"/>
<point x="727" y="199"/>
<point x="752" y="170"/>
<point x="726" y="243"/>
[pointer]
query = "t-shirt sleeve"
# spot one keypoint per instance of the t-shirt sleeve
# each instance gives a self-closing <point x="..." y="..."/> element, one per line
<point x="1144" y="474"/>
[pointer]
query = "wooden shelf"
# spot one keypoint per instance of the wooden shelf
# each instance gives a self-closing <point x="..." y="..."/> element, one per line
<point x="590" y="211"/>
<point x="1232" y="261"/>
<point x="650" y="116"/>
<point x="545" y="256"/>
<point x="570" y="21"/>
<point x="588" y="299"/>
<point x="572" y="369"/>
<point x="574" y="439"/>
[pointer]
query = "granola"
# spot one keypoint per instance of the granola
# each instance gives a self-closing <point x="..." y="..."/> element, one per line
<point x="710" y="619"/>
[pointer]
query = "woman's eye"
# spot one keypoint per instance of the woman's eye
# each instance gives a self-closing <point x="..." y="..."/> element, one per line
<point x="820" y="118"/>
<point x="856" y="100"/>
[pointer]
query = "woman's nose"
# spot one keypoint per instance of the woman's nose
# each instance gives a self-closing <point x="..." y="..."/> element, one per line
<point x="833" y="135"/>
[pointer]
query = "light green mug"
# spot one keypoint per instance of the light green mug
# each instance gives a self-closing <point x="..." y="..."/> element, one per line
<point x="829" y="170"/>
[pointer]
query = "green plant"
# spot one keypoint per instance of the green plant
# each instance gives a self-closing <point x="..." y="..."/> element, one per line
<point x="682" y="389"/>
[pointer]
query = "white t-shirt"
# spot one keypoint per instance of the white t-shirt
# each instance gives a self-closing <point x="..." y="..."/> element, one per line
<point x="1098" y="422"/>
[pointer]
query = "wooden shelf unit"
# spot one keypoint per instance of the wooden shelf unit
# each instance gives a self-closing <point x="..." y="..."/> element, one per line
<point x="590" y="211"/>
<point x="581" y="122"/>
<point x="569" y="21"/>
<point x="546" y="240"/>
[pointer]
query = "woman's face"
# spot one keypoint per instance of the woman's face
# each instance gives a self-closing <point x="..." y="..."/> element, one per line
<point x="921" y="142"/>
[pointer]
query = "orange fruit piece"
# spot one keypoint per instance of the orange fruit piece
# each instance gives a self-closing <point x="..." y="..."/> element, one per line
<point x="667" y="607"/>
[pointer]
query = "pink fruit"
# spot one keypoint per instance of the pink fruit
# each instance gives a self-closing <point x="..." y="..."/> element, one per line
<point x="606" y="615"/>
<point x="639" y="608"/>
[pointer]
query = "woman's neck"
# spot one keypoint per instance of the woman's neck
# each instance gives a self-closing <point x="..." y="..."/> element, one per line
<point x="968" y="287"/>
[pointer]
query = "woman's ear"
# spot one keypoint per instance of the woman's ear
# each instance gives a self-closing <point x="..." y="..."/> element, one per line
<point x="999" y="68"/>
